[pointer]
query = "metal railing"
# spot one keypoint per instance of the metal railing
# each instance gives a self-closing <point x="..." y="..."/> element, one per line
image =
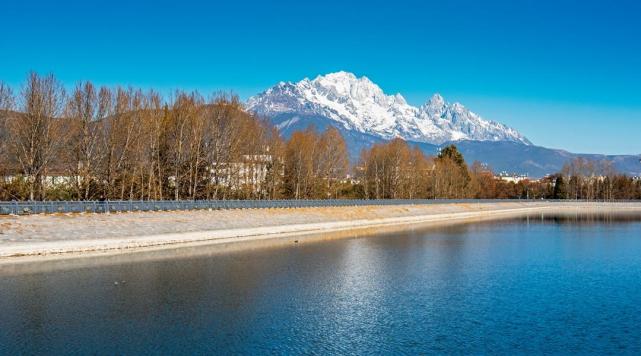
<point x="50" y="207"/>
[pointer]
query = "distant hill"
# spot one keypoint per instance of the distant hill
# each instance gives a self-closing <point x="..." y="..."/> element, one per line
<point x="536" y="161"/>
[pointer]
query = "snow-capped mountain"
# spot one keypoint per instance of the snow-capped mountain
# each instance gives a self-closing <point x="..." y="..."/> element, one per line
<point x="365" y="116"/>
<point x="357" y="104"/>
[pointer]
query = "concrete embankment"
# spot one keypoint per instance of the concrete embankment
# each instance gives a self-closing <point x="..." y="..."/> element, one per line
<point x="40" y="236"/>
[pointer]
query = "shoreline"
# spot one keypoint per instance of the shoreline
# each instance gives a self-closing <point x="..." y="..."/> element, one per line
<point x="33" y="252"/>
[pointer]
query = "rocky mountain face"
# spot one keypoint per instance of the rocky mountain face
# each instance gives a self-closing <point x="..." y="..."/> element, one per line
<point x="359" y="105"/>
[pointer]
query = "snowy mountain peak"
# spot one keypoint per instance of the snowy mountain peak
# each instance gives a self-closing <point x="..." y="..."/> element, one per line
<point x="358" y="104"/>
<point x="436" y="100"/>
<point x="343" y="85"/>
<point x="341" y="75"/>
<point x="434" y="106"/>
<point x="400" y="99"/>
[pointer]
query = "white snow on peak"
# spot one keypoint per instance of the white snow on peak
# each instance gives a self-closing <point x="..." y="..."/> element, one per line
<point x="361" y="105"/>
<point x="436" y="100"/>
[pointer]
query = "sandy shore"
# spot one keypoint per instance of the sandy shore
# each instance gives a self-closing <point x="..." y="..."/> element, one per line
<point x="40" y="236"/>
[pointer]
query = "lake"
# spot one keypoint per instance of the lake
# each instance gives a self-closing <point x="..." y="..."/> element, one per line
<point x="542" y="284"/>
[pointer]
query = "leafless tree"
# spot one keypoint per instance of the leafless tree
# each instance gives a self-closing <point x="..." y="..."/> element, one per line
<point x="38" y="133"/>
<point x="7" y="100"/>
<point x="86" y="110"/>
<point x="332" y="161"/>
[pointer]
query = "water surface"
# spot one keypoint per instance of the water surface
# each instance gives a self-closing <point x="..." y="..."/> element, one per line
<point x="552" y="285"/>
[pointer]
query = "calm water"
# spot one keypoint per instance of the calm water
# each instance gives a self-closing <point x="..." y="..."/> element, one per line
<point x="553" y="286"/>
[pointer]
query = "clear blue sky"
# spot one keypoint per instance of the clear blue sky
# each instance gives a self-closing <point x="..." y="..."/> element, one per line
<point x="565" y="73"/>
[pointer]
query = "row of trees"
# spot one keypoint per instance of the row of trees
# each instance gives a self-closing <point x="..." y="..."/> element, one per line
<point x="316" y="166"/>
<point x="585" y="179"/>
<point x="394" y="170"/>
<point x="126" y="144"/>
<point x="129" y="144"/>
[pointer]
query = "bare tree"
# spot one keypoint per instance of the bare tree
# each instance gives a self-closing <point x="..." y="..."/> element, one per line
<point x="393" y="170"/>
<point x="181" y="117"/>
<point x="332" y="161"/>
<point x="37" y="134"/>
<point x="7" y="101"/>
<point x="275" y="148"/>
<point x="6" y="110"/>
<point x="86" y="110"/>
<point x="120" y="136"/>
<point x="152" y="122"/>
<point x="299" y="157"/>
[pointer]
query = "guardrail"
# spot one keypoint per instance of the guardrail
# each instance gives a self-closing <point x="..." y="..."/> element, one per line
<point x="49" y="207"/>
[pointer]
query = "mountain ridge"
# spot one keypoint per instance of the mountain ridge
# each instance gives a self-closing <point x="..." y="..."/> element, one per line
<point x="365" y="115"/>
<point x="361" y="105"/>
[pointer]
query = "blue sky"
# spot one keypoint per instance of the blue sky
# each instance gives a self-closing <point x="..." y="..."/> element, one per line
<point x="565" y="73"/>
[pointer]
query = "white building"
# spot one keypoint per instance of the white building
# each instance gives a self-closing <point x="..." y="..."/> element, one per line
<point x="512" y="177"/>
<point x="251" y="170"/>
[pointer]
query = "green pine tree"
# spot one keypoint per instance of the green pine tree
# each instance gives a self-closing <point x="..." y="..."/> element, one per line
<point x="559" y="188"/>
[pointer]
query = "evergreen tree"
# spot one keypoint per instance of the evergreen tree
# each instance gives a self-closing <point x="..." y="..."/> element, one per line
<point x="559" y="188"/>
<point x="453" y="153"/>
